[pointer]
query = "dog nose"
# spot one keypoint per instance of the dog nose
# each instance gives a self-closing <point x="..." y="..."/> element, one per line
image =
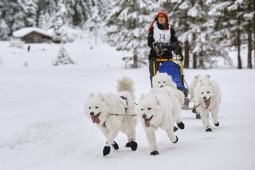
<point x="161" y="86"/>
<point x="144" y="116"/>
<point x="204" y="97"/>
<point x="91" y="113"/>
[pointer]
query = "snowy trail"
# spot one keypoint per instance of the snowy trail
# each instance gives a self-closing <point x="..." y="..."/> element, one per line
<point x="42" y="125"/>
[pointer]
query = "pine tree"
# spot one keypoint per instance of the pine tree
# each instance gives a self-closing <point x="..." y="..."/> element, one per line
<point x="196" y="29"/>
<point x="228" y="24"/>
<point x="80" y="13"/>
<point x="248" y="8"/>
<point x="15" y="17"/>
<point x="29" y="9"/>
<point x="59" y="21"/>
<point x="127" y="28"/>
<point x="62" y="57"/>
<point x="4" y="28"/>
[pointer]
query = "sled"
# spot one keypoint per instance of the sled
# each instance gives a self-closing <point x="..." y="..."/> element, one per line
<point x="175" y="68"/>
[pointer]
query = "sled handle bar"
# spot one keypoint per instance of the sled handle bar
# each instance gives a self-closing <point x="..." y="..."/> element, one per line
<point x="168" y="59"/>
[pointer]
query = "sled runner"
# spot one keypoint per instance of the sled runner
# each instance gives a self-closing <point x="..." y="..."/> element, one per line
<point x="173" y="66"/>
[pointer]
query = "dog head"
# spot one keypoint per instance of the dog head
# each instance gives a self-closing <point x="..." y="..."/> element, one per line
<point x="96" y="108"/>
<point x="206" y="92"/>
<point x="161" y="80"/>
<point x="149" y="110"/>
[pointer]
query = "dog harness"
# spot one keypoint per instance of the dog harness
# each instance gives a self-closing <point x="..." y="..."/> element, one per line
<point x="124" y="98"/>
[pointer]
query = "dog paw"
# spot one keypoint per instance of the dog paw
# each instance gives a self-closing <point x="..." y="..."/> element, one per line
<point x="176" y="140"/>
<point x="154" y="153"/>
<point x="175" y="128"/>
<point x="115" y="145"/>
<point x="128" y="145"/>
<point x="198" y="116"/>
<point x="106" y="150"/>
<point x="181" y="125"/>
<point x="194" y="110"/>
<point x="217" y="124"/>
<point x="208" y="129"/>
<point x="133" y="145"/>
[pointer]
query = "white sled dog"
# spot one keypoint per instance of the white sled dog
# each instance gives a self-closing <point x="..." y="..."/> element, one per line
<point x="163" y="83"/>
<point x="163" y="79"/>
<point x="155" y="110"/>
<point x="207" y="96"/>
<point x="113" y="113"/>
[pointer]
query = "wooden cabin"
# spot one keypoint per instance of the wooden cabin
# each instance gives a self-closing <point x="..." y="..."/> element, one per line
<point x="33" y="35"/>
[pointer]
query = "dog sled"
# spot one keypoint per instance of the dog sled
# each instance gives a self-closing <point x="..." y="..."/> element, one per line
<point x="175" y="68"/>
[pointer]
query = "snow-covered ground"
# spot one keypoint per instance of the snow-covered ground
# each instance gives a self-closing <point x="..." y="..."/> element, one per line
<point x="42" y="125"/>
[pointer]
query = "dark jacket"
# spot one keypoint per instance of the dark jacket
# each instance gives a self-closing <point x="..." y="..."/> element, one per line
<point x="150" y="39"/>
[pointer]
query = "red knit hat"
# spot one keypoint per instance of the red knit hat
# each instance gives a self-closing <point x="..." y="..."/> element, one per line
<point x="162" y="12"/>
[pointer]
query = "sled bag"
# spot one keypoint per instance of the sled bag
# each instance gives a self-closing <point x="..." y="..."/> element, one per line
<point x="174" y="70"/>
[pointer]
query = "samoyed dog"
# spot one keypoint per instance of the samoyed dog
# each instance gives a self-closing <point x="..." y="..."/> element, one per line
<point x="163" y="83"/>
<point x="163" y="79"/>
<point x="207" y="96"/>
<point x="155" y="110"/>
<point x="112" y="113"/>
<point x="196" y="80"/>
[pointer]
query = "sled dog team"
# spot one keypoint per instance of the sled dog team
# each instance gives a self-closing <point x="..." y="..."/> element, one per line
<point x="160" y="108"/>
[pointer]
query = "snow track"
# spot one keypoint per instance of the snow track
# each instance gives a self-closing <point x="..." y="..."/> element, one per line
<point x="42" y="125"/>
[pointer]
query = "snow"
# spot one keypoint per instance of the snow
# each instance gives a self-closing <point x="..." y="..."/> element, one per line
<point x="42" y="125"/>
<point x="24" y="31"/>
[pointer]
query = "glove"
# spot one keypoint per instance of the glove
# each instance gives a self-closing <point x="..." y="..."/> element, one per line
<point x="158" y="48"/>
<point x="177" y="47"/>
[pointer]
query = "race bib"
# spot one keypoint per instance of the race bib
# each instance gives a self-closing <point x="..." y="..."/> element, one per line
<point x="161" y="36"/>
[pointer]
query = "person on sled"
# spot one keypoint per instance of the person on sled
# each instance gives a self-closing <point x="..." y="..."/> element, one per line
<point x="161" y="33"/>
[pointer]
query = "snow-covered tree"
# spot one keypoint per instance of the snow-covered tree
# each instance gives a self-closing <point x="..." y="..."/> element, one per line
<point x="29" y="9"/>
<point x="127" y="28"/>
<point x="196" y="29"/>
<point x="4" y="30"/>
<point x="81" y="12"/>
<point x="248" y="9"/>
<point x="94" y="24"/>
<point x="62" y="58"/>
<point x="15" y="17"/>
<point x="228" y="18"/>
<point x="59" y="21"/>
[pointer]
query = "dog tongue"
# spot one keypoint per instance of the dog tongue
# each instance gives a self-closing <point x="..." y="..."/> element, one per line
<point x="147" y="122"/>
<point x="207" y="103"/>
<point x="95" y="119"/>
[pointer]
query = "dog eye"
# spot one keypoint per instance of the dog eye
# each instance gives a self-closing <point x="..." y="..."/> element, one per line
<point x="89" y="107"/>
<point x="96" y="107"/>
<point x="158" y="82"/>
<point x="149" y="108"/>
<point x="141" y="109"/>
<point x="164" y="82"/>
<point x="208" y="92"/>
<point x="202" y="93"/>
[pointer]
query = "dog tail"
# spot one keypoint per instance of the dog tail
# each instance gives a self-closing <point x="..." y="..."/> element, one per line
<point x="125" y="84"/>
